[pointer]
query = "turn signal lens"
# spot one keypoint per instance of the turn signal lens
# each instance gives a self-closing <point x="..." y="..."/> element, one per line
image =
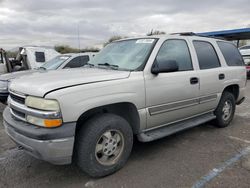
<point x="49" y="123"/>
<point x="52" y="122"/>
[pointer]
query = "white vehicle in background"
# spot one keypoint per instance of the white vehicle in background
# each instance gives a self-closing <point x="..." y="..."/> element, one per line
<point x="29" y="57"/>
<point x="245" y="52"/>
<point x="3" y="66"/>
<point x="65" y="61"/>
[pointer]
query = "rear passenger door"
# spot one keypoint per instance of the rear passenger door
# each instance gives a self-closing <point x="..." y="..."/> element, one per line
<point x="77" y="62"/>
<point x="211" y="75"/>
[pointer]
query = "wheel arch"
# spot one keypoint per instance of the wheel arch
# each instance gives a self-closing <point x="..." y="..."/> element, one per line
<point x="234" y="89"/>
<point x="126" y="110"/>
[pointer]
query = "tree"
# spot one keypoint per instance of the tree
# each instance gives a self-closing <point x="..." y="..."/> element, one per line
<point x="63" y="49"/>
<point x="156" y="32"/>
<point x="242" y="43"/>
<point x="112" y="39"/>
<point x="11" y="54"/>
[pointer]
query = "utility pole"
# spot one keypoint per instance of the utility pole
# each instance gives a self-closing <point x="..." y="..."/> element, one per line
<point x="79" y="42"/>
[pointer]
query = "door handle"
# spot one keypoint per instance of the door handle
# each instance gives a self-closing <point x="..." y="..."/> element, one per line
<point x="221" y="76"/>
<point x="194" y="80"/>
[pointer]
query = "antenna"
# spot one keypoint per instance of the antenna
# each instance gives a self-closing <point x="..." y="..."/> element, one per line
<point x="79" y="42"/>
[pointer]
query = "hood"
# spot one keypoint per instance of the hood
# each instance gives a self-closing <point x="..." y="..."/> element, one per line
<point x="38" y="84"/>
<point x="13" y="75"/>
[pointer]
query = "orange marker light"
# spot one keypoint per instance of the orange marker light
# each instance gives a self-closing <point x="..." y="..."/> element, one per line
<point x="52" y="123"/>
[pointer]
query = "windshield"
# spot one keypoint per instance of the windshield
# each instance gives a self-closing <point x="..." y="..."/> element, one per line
<point x="55" y="62"/>
<point x="124" y="55"/>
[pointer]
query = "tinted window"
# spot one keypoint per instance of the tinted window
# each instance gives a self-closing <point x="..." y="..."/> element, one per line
<point x="40" y="57"/>
<point x="77" y="62"/>
<point x="231" y="54"/>
<point x="176" y="50"/>
<point x="206" y="54"/>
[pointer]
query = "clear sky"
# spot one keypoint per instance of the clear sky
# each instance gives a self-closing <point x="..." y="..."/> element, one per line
<point x="50" y="22"/>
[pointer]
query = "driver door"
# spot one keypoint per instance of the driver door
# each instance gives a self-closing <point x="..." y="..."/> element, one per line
<point x="172" y="96"/>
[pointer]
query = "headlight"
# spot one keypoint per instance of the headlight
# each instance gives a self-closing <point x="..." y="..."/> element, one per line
<point x="46" y="105"/>
<point x="42" y="104"/>
<point x="3" y="86"/>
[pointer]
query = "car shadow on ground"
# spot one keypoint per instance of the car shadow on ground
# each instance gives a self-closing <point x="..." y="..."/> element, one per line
<point x="22" y="165"/>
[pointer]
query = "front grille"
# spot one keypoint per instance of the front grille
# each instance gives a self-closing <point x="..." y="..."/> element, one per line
<point x="17" y="98"/>
<point x="18" y="113"/>
<point x="20" y="101"/>
<point x="19" y="110"/>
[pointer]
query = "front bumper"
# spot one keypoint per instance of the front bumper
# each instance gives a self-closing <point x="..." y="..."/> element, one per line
<point x="4" y="97"/>
<point x="53" y="145"/>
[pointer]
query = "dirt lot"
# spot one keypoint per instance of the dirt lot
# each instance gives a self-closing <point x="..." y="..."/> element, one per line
<point x="204" y="156"/>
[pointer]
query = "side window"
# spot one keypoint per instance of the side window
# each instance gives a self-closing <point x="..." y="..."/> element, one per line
<point x="77" y="62"/>
<point x="177" y="50"/>
<point x="206" y="54"/>
<point x="40" y="57"/>
<point x="231" y="54"/>
<point x="84" y="60"/>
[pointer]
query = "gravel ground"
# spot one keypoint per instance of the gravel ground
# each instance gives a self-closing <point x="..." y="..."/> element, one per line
<point x="181" y="160"/>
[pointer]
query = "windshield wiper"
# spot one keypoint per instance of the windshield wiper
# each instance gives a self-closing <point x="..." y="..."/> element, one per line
<point x="89" y="64"/>
<point x="42" y="68"/>
<point x="109" y="65"/>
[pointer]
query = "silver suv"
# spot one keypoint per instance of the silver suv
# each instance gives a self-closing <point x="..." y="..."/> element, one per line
<point x="145" y="88"/>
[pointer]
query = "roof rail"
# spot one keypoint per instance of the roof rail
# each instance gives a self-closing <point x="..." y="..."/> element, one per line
<point x="195" y="34"/>
<point x="185" y="34"/>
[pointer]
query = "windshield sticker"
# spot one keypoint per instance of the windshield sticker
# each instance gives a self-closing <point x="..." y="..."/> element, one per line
<point x="64" y="57"/>
<point x="148" y="41"/>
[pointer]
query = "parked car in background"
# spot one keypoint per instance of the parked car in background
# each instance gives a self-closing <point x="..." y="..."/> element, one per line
<point x="72" y="60"/>
<point x="247" y="63"/>
<point x="245" y="52"/>
<point x="147" y="87"/>
<point x="28" y="57"/>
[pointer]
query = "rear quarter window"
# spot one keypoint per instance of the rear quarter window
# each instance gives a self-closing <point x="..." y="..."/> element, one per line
<point x="206" y="55"/>
<point x="231" y="54"/>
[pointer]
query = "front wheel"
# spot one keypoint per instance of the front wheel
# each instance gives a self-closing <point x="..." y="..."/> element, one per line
<point x="103" y="145"/>
<point x="225" y="110"/>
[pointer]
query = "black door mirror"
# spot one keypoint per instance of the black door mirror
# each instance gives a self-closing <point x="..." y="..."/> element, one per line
<point x="161" y="66"/>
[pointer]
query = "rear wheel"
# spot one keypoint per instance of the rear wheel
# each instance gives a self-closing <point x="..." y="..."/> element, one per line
<point x="225" y="110"/>
<point x="103" y="145"/>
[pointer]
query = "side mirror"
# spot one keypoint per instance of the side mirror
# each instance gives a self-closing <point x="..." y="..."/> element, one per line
<point x="161" y="66"/>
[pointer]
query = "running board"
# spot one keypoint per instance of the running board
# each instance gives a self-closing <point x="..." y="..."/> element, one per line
<point x="174" y="128"/>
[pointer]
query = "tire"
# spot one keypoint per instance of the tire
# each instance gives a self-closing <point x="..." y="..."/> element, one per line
<point x="225" y="115"/>
<point x="94" y="133"/>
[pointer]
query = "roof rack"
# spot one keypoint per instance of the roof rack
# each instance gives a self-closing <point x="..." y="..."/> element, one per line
<point x="195" y="34"/>
<point x="185" y="34"/>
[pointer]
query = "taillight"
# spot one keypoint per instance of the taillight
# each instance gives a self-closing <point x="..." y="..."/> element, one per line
<point x="247" y="67"/>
